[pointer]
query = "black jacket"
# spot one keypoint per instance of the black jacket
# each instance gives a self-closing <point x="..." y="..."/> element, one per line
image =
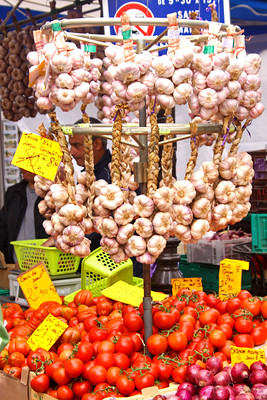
<point x="11" y="216"/>
<point x="101" y="168"/>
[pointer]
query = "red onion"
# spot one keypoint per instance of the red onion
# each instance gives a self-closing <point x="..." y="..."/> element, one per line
<point x="231" y="391"/>
<point x="206" y="393"/>
<point x="258" y="376"/>
<point x="187" y="386"/>
<point x="228" y="369"/>
<point x="159" y="397"/>
<point x="204" y="378"/>
<point x="241" y="387"/>
<point x="245" y="396"/>
<point x="257" y="365"/>
<point x="259" y="391"/>
<point x="220" y="393"/>
<point x="222" y="378"/>
<point x="192" y="371"/>
<point x="184" y="394"/>
<point x="196" y="397"/>
<point x="214" y="364"/>
<point x="240" y="372"/>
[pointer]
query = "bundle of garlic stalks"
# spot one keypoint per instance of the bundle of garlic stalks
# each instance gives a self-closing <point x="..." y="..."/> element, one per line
<point x="219" y="85"/>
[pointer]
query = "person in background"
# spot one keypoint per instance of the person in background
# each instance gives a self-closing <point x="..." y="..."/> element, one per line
<point x="20" y="218"/>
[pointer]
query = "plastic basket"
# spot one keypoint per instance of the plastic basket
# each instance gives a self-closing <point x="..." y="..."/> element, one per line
<point x="259" y="233"/>
<point x="99" y="271"/>
<point x="31" y="252"/>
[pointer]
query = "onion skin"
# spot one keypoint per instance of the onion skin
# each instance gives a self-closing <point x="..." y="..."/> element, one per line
<point x="184" y="394"/>
<point x="241" y="388"/>
<point x="206" y="393"/>
<point x="240" y="372"/>
<point x="204" y="378"/>
<point x="258" y="376"/>
<point x="245" y="396"/>
<point x="192" y="371"/>
<point x="258" y="365"/>
<point x="187" y="386"/>
<point x="220" y="393"/>
<point x="214" y="364"/>
<point x="259" y="391"/>
<point x="222" y="378"/>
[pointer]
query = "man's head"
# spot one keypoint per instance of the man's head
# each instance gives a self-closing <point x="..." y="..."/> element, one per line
<point x="77" y="147"/>
<point x="28" y="176"/>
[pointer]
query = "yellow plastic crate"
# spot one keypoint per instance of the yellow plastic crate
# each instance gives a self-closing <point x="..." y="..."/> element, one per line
<point x="99" y="271"/>
<point x="31" y="252"/>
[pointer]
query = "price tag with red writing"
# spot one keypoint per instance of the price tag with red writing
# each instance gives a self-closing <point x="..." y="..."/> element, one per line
<point x="186" y="283"/>
<point x="47" y="333"/>
<point x="246" y="355"/>
<point x="230" y="276"/>
<point x="37" y="286"/>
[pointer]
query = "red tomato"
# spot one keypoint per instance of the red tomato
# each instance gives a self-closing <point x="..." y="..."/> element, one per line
<point x="103" y="307"/>
<point x="89" y="322"/>
<point x="97" y="374"/>
<point x="60" y="376"/>
<point x="157" y="344"/>
<point x="163" y="320"/>
<point x="209" y="316"/>
<point x="121" y="360"/>
<point x="204" y="349"/>
<point x="50" y="368"/>
<point x="187" y="318"/>
<point x="71" y="335"/>
<point x="217" y="338"/>
<point x="177" y="341"/>
<point x="226" y="349"/>
<point x="243" y="325"/>
<point x="212" y="300"/>
<point x="264" y="309"/>
<point x="74" y="367"/>
<point x="85" y="351"/>
<point x="16" y="359"/>
<point x="98" y="334"/>
<point x="83" y="297"/>
<point x="143" y="381"/>
<point x="35" y="360"/>
<point x="4" y="358"/>
<point x="222" y="307"/>
<point x="105" y="359"/>
<point x="226" y="319"/>
<point x="81" y="387"/>
<point x="136" y="337"/>
<point x="112" y="375"/>
<point x="244" y="340"/>
<point x="179" y="374"/>
<point x="244" y="294"/>
<point x="228" y="331"/>
<point x="252" y="304"/>
<point x="164" y="370"/>
<point x="13" y="371"/>
<point x="64" y="392"/>
<point x="191" y="311"/>
<point x="106" y="346"/>
<point x="19" y="344"/>
<point x="133" y="322"/>
<point x="125" y="344"/>
<point x="125" y="385"/>
<point x="188" y="329"/>
<point x="40" y="383"/>
<point x="259" y="335"/>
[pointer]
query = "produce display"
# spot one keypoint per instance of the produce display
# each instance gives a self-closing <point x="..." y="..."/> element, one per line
<point x="101" y="353"/>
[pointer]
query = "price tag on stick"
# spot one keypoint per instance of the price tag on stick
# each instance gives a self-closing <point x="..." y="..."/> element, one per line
<point x="38" y="155"/>
<point x="37" y="286"/>
<point x="230" y="276"/>
<point x="246" y="355"/>
<point x="47" y="333"/>
<point x="186" y="283"/>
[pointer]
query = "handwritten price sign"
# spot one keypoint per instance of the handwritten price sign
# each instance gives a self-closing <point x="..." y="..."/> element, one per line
<point x="186" y="283"/>
<point x="246" y="355"/>
<point x="230" y="276"/>
<point x="38" y="155"/>
<point x="37" y="286"/>
<point x="47" y="333"/>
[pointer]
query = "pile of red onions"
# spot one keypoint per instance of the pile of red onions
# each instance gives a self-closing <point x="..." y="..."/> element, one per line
<point x="216" y="382"/>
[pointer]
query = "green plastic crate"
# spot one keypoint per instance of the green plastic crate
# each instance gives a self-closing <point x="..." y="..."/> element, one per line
<point x="99" y="271"/>
<point x="31" y="252"/>
<point x="209" y="274"/>
<point x="259" y="233"/>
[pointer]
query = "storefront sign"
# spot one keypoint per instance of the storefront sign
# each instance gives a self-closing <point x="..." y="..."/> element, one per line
<point x="230" y="276"/>
<point x="186" y="283"/>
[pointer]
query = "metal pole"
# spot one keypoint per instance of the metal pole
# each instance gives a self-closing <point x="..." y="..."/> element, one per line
<point x="143" y="163"/>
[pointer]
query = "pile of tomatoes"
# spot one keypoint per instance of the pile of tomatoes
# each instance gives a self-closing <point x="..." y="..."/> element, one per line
<point x="102" y="353"/>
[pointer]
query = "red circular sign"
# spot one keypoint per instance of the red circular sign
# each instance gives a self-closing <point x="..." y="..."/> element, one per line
<point x="136" y="10"/>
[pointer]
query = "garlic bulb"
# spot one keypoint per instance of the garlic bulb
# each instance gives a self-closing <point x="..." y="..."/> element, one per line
<point x="244" y="158"/>
<point x="182" y="93"/>
<point x="208" y="98"/>
<point x="136" y="91"/>
<point x="124" y="214"/>
<point x="201" y="207"/>
<point x="48" y="227"/>
<point x="235" y="68"/>
<point x="57" y="225"/>
<point x="163" y="198"/>
<point x="119" y="256"/>
<point x="182" y="75"/>
<point x="252" y="63"/>
<point x="111" y="197"/>
<point x="202" y="63"/>
<point x="146" y="258"/>
<point x="107" y="227"/>
<point x="109" y="245"/>
<point x="164" y="86"/>
<point x="71" y="214"/>
<point x="211" y="171"/>
<point x="72" y="235"/>
<point x="217" y="79"/>
<point x="162" y="223"/>
<point x="243" y="194"/>
<point x="227" y="168"/>
<point x="199" y="180"/>
<point x="184" y="192"/>
<point x="87" y="225"/>
<point x="163" y="66"/>
<point x="199" y="81"/>
<point x="182" y="214"/>
<point x="199" y="228"/>
<point x="98" y="209"/>
<point x="143" y="206"/>
<point x="143" y="227"/>
<point x="220" y="61"/>
<point x="182" y="232"/>
<point x="124" y="233"/>
<point x="209" y="194"/>
<point x="135" y="246"/>
<point x="82" y="249"/>
<point x="225" y="192"/>
<point x="244" y="175"/>
<point x="156" y="244"/>
<point x="221" y="216"/>
<point x="183" y="57"/>
<point x="127" y="72"/>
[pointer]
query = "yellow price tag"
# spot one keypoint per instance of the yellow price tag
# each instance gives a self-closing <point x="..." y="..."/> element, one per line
<point x="230" y="276"/>
<point x="128" y="294"/>
<point x="67" y="130"/>
<point x="37" y="286"/>
<point x="246" y="355"/>
<point x="186" y="283"/>
<point x="47" y="333"/>
<point x="164" y="131"/>
<point x="38" y="155"/>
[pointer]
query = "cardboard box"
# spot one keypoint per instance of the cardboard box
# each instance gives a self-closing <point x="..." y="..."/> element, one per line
<point x="13" y="388"/>
<point x="4" y="271"/>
